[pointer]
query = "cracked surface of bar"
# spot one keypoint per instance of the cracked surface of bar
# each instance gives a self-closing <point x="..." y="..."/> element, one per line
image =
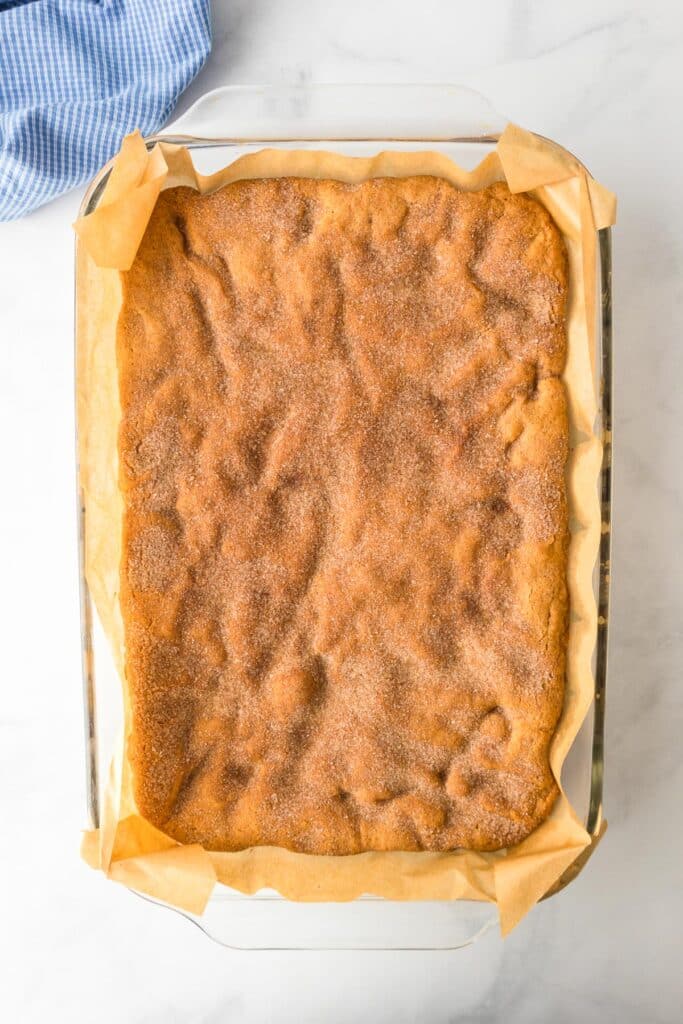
<point x="342" y="456"/>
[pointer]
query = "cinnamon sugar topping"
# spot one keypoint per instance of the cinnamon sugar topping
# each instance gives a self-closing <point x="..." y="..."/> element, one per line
<point x="342" y="458"/>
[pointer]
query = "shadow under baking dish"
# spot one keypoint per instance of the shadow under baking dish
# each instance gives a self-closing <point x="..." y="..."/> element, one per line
<point x="356" y="120"/>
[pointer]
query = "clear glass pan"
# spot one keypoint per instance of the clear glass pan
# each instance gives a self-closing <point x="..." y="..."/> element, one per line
<point x="355" y="120"/>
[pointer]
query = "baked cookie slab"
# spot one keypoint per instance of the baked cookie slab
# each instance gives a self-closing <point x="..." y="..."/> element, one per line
<point x="342" y="456"/>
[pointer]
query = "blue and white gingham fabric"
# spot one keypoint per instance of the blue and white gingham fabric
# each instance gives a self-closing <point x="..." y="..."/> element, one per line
<point x="78" y="75"/>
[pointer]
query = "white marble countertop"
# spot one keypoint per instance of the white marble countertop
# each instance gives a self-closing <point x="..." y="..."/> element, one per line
<point x="603" y="77"/>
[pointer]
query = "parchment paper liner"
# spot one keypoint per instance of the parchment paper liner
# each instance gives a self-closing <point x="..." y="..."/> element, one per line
<point x="126" y="847"/>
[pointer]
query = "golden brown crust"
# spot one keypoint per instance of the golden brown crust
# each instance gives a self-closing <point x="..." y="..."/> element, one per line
<point x="342" y="457"/>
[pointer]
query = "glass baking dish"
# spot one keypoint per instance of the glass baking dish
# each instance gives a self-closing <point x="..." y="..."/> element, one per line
<point x="356" y="120"/>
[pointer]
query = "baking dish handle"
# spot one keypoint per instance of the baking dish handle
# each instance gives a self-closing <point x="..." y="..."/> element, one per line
<point x="339" y="112"/>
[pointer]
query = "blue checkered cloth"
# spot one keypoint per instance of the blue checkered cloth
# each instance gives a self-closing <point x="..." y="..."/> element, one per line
<point x="78" y="75"/>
